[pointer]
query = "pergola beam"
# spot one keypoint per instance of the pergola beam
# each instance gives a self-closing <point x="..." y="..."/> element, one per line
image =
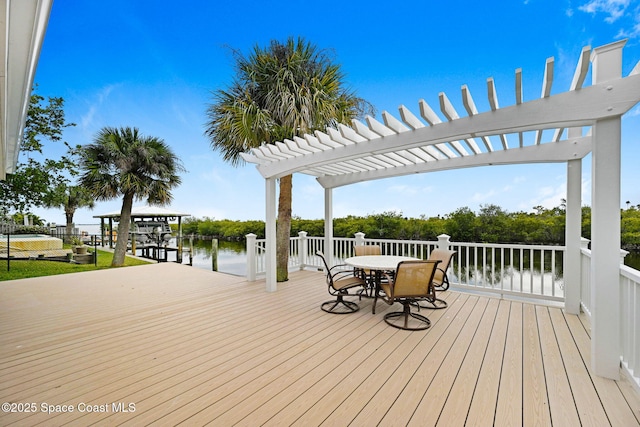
<point x="576" y="149"/>
<point x="569" y="109"/>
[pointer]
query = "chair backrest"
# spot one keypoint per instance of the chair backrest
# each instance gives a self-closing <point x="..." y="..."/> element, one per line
<point x="444" y="256"/>
<point x="324" y="261"/>
<point x="414" y="278"/>
<point x="326" y="268"/>
<point x="361" y="250"/>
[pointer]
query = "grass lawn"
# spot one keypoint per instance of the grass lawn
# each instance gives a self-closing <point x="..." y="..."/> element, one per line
<point x="22" y="269"/>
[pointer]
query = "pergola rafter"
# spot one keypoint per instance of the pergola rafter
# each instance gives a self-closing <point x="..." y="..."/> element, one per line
<point x="424" y="142"/>
<point x="408" y="145"/>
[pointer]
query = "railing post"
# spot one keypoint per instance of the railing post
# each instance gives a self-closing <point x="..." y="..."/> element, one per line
<point x="444" y="242"/>
<point x="251" y="257"/>
<point x="359" y="238"/>
<point x="623" y="255"/>
<point x="573" y="230"/>
<point x="584" y="243"/>
<point x="303" y="249"/>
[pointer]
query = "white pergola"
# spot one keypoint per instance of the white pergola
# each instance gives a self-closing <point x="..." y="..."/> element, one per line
<point x="22" y="27"/>
<point x="582" y="120"/>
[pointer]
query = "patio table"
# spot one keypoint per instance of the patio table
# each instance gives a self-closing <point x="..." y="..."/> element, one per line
<point x="377" y="263"/>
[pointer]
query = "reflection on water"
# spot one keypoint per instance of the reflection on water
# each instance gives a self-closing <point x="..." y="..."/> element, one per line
<point x="232" y="257"/>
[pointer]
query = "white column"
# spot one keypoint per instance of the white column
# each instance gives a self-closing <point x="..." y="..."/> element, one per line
<point x="328" y="226"/>
<point x="573" y="232"/>
<point x="270" y="234"/>
<point x="251" y="257"/>
<point x="605" y="225"/>
<point x="303" y="249"/>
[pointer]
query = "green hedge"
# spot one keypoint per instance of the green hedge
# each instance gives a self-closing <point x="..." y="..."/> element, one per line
<point x="491" y="224"/>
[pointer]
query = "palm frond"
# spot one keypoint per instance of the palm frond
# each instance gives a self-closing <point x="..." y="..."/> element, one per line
<point x="280" y="91"/>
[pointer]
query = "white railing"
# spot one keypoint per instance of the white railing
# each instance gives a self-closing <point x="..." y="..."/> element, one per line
<point x="532" y="271"/>
<point x="630" y="321"/>
<point x="527" y="271"/>
<point x="629" y="310"/>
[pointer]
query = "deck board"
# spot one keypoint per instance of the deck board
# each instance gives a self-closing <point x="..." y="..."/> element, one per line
<point x="485" y="399"/>
<point x="432" y="401"/>
<point x="535" y="399"/>
<point x="586" y="398"/>
<point x="196" y="347"/>
<point x="561" y="401"/>
<point x="461" y="393"/>
<point x="509" y="407"/>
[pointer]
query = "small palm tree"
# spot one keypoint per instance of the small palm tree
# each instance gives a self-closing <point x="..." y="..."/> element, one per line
<point x="122" y="162"/>
<point x="71" y="198"/>
<point x="285" y="90"/>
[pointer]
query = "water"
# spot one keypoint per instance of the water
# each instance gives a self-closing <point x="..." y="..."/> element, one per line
<point x="232" y="256"/>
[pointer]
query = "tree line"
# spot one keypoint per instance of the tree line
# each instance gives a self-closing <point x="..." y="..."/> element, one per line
<point x="490" y="224"/>
<point x="119" y="162"/>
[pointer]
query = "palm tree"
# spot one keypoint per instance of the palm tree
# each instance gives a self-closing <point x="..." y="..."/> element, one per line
<point x="281" y="91"/>
<point x="122" y="162"/>
<point x="71" y="198"/>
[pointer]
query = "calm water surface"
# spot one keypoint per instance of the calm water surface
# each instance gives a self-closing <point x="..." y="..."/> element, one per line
<point x="232" y="257"/>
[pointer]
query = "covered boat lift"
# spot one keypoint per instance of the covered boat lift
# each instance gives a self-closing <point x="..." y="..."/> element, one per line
<point x="145" y="214"/>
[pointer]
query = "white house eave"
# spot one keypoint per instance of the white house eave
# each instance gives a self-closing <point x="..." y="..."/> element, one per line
<point x="23" y="25"/>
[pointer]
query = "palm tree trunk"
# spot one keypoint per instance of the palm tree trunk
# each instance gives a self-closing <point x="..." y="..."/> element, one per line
<point x="123" y="230"/>
<point x="283" y="229"/>
<point x="69" y="226"/>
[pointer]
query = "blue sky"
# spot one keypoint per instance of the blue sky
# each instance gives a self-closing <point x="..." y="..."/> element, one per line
<point x="153" y="64"/>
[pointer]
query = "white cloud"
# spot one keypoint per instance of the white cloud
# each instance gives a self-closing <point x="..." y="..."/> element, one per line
<point x="547" y="197"/>
<point x="409" y="190"/>
<point x="613" y="8"/>
<point x="634" y="112"/>
<point x="213" y="176"/>
<point x="519" y="179"/>
<point x="87" y="121"/>
<point x="634" y="32"/>
<point x="481" y="197"/>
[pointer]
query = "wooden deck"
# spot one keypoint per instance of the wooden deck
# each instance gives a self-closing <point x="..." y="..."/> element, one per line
<point x="167" y="344"/>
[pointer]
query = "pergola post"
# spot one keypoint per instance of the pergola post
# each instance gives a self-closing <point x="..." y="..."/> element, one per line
<point x="605" y="224"/>
<point x="270" y="234"/>
<point x="328" y="226"/>
<point x="573" y="232"/>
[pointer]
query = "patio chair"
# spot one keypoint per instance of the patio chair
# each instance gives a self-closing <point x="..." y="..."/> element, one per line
<point x="441" y="280"/>
<point x="361" y="250"/>
<point x="413" y="282"/>
<point x="339" y="282"/>
<point x="368" y="275"/>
